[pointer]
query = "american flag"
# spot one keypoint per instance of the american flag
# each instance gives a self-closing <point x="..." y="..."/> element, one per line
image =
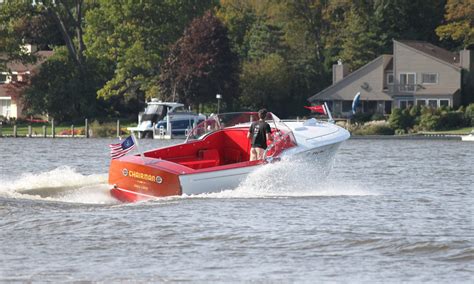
<point x="121" y="149"/>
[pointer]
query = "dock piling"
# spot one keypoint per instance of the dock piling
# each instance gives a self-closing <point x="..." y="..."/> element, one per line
<point x="118" y="127"/>
<point x="53" y="134"/>
<point x="86" y="130"/>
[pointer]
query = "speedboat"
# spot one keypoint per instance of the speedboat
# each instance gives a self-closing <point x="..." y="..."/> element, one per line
<point x="162" y="119"/>
<point x="215" y="156"/>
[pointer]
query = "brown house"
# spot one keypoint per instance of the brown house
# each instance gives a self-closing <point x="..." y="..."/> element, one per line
<point x="10" y="106"/>
<point x="417" y="73"/>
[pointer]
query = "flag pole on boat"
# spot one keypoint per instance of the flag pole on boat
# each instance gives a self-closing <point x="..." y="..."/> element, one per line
<point x="331" y="120"/>
<point x="138" y="146"/>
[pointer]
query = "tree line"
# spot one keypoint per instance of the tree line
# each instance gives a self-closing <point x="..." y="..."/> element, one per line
<point x="111" y="56"/>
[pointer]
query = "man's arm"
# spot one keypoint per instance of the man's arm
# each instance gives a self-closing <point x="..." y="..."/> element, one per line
<point x="269" y="137"/>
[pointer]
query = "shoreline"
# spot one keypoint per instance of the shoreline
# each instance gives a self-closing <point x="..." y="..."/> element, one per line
<point x="360" y="137"/>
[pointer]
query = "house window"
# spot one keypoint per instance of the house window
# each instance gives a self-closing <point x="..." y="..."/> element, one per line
<point x="443" y="103"/>
<point x="405" y="104"/>
<point x="388" y="107"/>
<point x="429" y="78"/>
<point x="3" y="78"/>
<point x="433" y="103"/>
<point x="346" y="106"/>
<point x="407" y="82"/>
<point x="14" y="78"/>
<point x="420" y="102"/>
<point x="390" y="78"/>
<point x="5" y="107"/>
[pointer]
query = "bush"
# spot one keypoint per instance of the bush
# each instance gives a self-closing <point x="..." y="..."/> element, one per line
<point x="372" y="128"/>
<point x="377" y="116"/>
<point x="103" y="130"/>
<point x="451" y="119"/>
<point x="401" y="119"/>
<point x="429" y="121"/>
<point x="469" y="115"/>
<point x="361" y="117"/>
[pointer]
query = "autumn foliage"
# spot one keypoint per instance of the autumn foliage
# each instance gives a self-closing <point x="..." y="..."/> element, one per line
<point x="200" y="64"/>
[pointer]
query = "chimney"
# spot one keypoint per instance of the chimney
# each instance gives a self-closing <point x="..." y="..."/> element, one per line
<point x="465" y="59"/>
<point x="339" y="71"/>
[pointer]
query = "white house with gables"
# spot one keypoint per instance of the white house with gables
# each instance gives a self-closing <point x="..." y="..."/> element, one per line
<point x="417" y="73"/>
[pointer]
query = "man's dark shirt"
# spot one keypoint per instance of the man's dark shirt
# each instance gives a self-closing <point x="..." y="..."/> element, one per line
<point x="258" y="131"/>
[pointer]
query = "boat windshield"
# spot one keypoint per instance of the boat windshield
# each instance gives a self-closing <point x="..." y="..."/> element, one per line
<point x="217" y="122"/>
<point x="154" y="112"/>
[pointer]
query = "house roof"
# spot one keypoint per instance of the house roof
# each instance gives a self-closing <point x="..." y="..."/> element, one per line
<point x="330" y="93"/>
<point x="16" y="66"/>
<point x="388" y="63"/>
<point x="433" y="50"/>
<point x="364" y="96"/>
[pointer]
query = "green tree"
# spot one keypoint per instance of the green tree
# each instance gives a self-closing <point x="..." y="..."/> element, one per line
<point x="14" y="17"/>
<point x="132" y="37"/>
<point x="57" y="88"/>
<point x="359" y="45"/>
<point x="265" y="83"/>
<point x="68" y="16"/>
<point x="238" y="16"/>
<point x="404" y="19"/>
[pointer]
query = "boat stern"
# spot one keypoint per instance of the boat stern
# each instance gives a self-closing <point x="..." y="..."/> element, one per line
<point x="133" y="178"/>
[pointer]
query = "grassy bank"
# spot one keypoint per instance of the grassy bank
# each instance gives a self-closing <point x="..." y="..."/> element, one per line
<point x="459" y="131"/>
<point x="96" y="129"/>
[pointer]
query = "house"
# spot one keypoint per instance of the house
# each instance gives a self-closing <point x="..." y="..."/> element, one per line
<point x="10" y="106"/>
<point x="417" y="73"/>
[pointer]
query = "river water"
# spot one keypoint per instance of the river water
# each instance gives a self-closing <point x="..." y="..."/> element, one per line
<point x="390" y="211"/>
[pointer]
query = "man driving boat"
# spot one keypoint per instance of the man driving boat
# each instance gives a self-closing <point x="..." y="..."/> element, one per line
<point x="259" y="133"/>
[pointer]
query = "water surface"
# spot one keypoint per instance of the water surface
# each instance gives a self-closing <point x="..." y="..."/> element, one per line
<point x="390" y="211"/>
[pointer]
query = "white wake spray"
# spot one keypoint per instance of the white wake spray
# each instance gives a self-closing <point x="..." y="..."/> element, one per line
<point x="61" y="184"/>
<point x="300" y="177"/>
<point x="287" y="178"/>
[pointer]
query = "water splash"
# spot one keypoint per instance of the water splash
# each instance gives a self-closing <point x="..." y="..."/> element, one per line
<point x="61" y="184"/>
<point x="294" y="177"/>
